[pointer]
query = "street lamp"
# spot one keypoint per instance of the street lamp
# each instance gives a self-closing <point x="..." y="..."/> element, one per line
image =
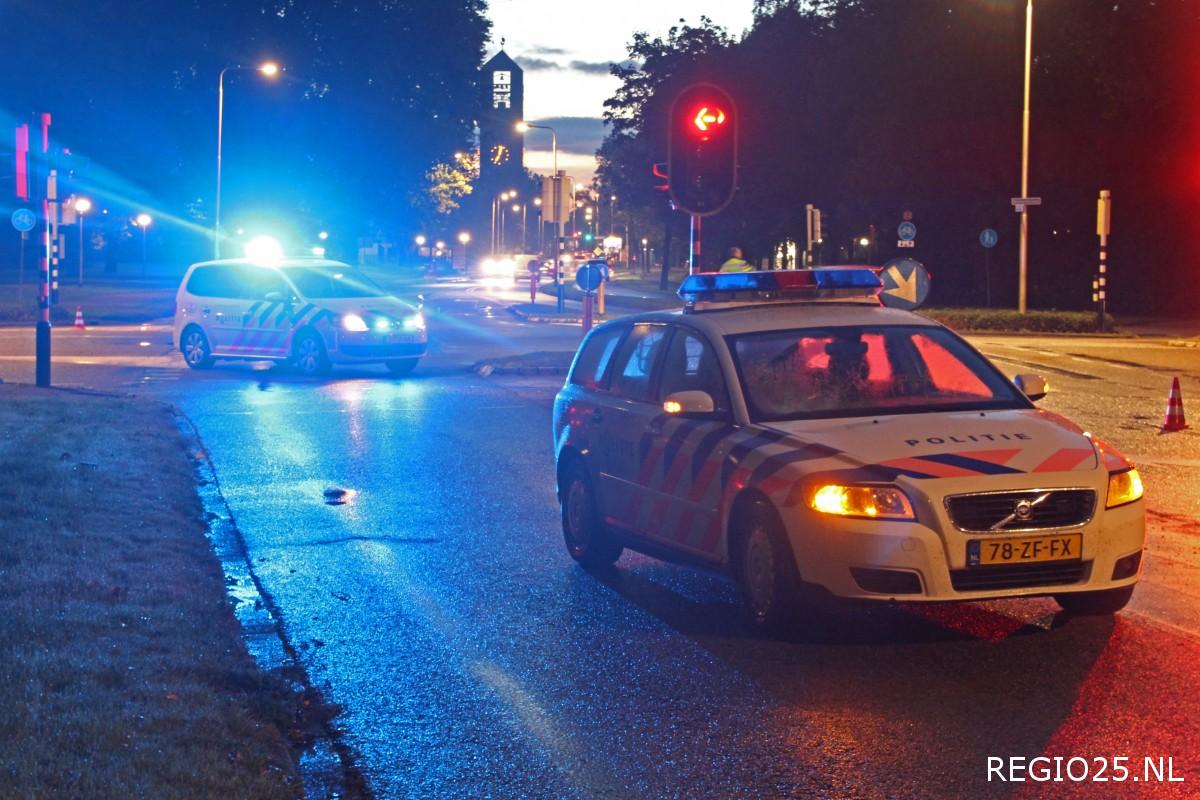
<point x="269" y="69"/>
<point x="1024" y="247"/>
<point x="464" y="238"/>
<point x="556" y="199"/>
<point x="82" y="206"/>
<point x="143" y="221"/>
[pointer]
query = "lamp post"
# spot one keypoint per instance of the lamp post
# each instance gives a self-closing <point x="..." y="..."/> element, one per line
<point x="1024" y="245"/>
<point x="82" y="206"/>
<point x="556" y="199"/>
<point x="143" y="221"/>
<point x="270" y="69"/>
<point x="464" y="239"/>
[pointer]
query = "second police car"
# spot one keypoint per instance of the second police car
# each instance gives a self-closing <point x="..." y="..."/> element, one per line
<point x="310" y="312"/>
<point x="789" y="429"/>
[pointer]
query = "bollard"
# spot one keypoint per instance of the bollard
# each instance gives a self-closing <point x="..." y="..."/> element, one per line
<point x="533" y="288"/>
<point x="600" y="299"/>
<point x="587" y="312"/>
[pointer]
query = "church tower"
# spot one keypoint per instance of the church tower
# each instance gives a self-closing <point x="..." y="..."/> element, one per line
<point x="501" y="147"/>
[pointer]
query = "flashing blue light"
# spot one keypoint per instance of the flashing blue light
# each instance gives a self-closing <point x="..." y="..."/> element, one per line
<point x="820" y="283"/>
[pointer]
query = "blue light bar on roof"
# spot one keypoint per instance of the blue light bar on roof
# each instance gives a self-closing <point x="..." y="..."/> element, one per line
<point x="823" y="283"/>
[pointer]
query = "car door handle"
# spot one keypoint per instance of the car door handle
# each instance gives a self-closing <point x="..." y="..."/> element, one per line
<point x="206" y="310"/>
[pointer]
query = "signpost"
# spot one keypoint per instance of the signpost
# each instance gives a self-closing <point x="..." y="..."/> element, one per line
<point x="1103" y="229"/>
<point x="23" y="220"/>
<point x="907" y="232"/>
<point x="588" y="278"/>
<point x="988" y="238"/>
<point x="905" y="283"/>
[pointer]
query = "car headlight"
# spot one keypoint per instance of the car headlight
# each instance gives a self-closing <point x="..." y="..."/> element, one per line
<point x="354" y="323"/>
<point x="415" y="322"/>
<point x="1123" y="487"/>
<point x="871" y="502"/>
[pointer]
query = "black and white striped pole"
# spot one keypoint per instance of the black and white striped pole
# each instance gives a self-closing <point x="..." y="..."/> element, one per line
<point x="1103" y="229"/>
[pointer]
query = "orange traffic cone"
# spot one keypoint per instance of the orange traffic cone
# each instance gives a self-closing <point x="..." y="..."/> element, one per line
<point x="79" y="317"/>
<point x="1174" y="420"/>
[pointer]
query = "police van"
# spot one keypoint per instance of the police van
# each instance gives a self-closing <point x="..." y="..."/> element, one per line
<point x="310" y="312"/>
<point x="787" y="428"/>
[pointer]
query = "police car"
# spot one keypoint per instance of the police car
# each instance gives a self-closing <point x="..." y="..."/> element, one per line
<point x="787" y="428"/>
<point x="308" y="311"/>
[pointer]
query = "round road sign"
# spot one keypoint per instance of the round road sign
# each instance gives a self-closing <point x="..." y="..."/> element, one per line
<point x="23" y="220"/>
<point x="905" y="283"/>
<point x="589" y="277"/>
<point x="988" y="237"/>
<point x="907" y="231"/>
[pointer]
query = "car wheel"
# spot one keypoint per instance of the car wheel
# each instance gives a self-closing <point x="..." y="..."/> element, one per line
<point x="402" y="366"/>
<point x="308" y="354"/>
<point x="587" y="538"/>
<point x="765" y="570"/>
<point x="1095" y="604"/>
<point x="195" y="348"/>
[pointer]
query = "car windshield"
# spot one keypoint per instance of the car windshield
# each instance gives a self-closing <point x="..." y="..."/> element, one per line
<point x="862" y="371"/>
<point x="313" y="282"/>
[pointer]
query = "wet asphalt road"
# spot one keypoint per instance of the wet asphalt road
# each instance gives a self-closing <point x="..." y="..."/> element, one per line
<point x="474" y="659"/>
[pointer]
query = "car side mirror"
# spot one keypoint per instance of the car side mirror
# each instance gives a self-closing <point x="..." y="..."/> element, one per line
<point x="1032" y="386"/>
<point x="692" y="401"/>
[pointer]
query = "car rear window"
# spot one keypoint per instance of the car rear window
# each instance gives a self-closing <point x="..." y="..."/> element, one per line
<point x="593" y="359"/>
<point x="214" y="281"/>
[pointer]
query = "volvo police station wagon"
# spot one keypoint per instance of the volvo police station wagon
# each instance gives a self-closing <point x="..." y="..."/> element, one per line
<point x="310" y="312"/>
<point x="789" y="429"/>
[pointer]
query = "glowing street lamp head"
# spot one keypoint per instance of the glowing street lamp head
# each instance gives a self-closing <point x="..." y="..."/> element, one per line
<point x="143" y="220"/>
<point x="323" y="235"/>
<point x="863" y="242"/>
<point x="83" y="205"/>
<point x="516" y="207"/>
<point x="464" y="237"/>
<point x="522" y="126"/>
<point x="420" y="240"/>
<point x="269" y="68"/>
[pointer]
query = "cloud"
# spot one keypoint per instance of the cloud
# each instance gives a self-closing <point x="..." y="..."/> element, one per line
<point x="548" y="51"/>
<point x="575" y="134"/>
<point x="531" y="63"/>
<point x="591" y="67"/>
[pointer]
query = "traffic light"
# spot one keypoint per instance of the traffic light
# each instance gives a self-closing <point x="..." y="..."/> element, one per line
<point x="702" y="149"/>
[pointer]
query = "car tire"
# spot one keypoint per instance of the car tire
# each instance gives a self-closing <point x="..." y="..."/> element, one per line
<point x="587" y="538"/>
<point x="765" y="570"/>
<point x="402" y="366"/>
<point x="308" y="354"/>
<point x="1102" y="603"/>
<point x="197" y="352"/>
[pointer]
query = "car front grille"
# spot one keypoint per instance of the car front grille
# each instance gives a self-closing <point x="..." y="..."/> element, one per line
<point x="982" y="579"/>
<point x="997" y="512"/>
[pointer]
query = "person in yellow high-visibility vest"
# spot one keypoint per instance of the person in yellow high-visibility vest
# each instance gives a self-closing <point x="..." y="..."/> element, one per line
<point x="735" y="262"/>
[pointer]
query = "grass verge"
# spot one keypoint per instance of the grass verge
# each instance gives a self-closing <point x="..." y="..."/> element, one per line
<point x="122" y="669"/>
<point x="1006" y="320"/>
<point x="110" y="300"/>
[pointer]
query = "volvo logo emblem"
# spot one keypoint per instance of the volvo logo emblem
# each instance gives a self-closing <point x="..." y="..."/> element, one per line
<point x="1023" y="511"/>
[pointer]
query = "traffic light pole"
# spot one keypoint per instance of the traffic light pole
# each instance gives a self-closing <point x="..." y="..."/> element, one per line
<point x="694" y="237"/>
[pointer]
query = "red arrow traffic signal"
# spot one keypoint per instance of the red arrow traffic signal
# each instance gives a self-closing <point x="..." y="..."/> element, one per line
<point x="702" y="149"/>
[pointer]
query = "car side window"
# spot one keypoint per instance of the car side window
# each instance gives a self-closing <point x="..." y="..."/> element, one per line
<point x="594" y="358"/>
<point x="214" y="281"/>
<point x="633" y="368"/>
<point x="691" y="365"/>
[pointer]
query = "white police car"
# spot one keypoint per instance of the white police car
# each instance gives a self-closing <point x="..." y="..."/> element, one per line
<point x="311" y="312"/>
<point x="787" y="428"/>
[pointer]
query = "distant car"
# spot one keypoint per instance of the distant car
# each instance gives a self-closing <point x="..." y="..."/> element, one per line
<point x="788" y="429"/>
<point x="310" y="312"/>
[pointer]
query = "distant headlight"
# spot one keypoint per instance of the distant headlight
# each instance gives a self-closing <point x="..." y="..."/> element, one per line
<point x="872" y="502"/>
<point x="382" y="324"/>
<point x="414" y="323"/>
<point x="353" y="323"/>
<point x="1123" y="487"/>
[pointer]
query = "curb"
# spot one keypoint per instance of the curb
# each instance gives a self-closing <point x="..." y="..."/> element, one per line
<point x="326" y="767"/>
<point x="517" y="312"/>
<point x="486" y="369"/>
